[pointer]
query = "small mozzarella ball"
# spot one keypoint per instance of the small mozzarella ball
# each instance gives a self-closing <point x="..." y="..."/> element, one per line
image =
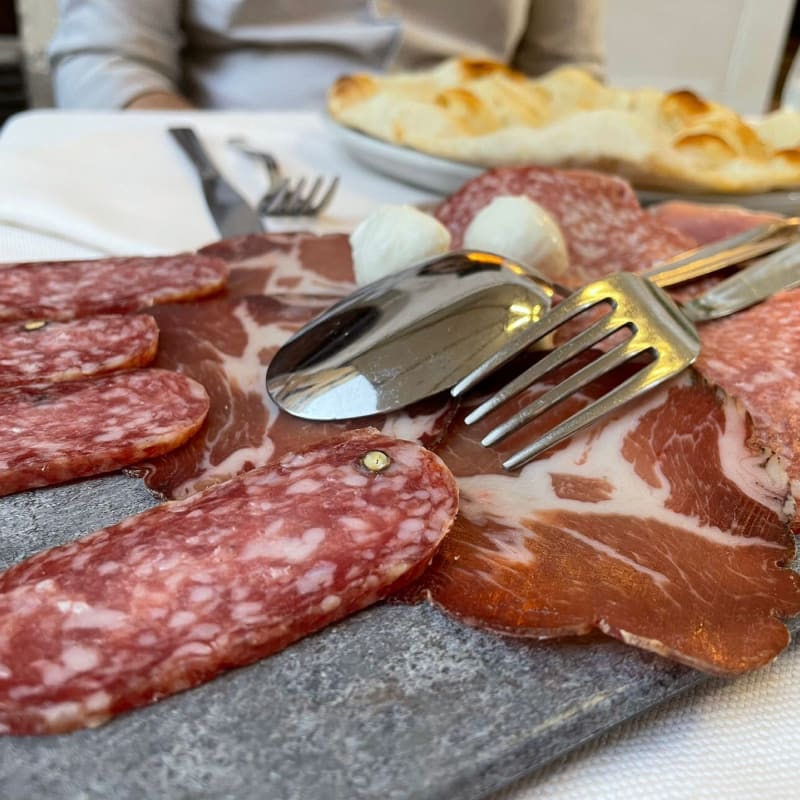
<point x="522" y="230"/>
<point x="393" y="238"/>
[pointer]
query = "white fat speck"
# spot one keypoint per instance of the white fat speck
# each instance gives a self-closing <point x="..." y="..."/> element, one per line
<point x="82" y="615"/>
<point x="294" y="550"/>
<point x="191" y="649"/>
<point x="409" y="530"/>
<point x="79" y="659"/>
<point x="206" y="630"/>
<point x="304" y="486"/>
<point x="244" y="611"/>
<point x="5" y="672"/>
<point x="54" y="674"/>
<point x="61" y="713"/>
<point x="147" y="639"/>
<point x="394" y="571"/>
<point x="98" y="701"/>
<point x="354" y="523"/>
<point x="330" y="603"/>
<point x="45" y="586"/>
<point x="354" y="480"/>
<point x="107" y="567"/>
<point x="319" y="575"/>
<point x="182" y="618"/>
<point x="200" y="594"/>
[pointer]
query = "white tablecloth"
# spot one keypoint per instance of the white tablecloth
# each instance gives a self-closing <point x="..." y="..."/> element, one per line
<point x="75" y="185"/>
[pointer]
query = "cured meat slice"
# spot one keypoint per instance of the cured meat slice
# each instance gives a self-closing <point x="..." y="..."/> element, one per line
<point x="755" y="355"/>
<point x="707" y="223"/>
<point x="167" y="599"/>
<point x="63" y="290"/>
<point x="37" y="351"/>
<point x="287" y="265"/>
<point x="661" y="527"/>
<point x="226" y="344"/>
<point x="604" y="227"/>
<point x="56" y="433"/>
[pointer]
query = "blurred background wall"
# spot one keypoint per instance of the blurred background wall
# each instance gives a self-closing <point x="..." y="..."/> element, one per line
<point x="734" y="51"/>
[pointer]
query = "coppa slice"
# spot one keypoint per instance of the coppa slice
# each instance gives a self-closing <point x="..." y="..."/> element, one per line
<point x="57" y="433"/>
<point x="169" y="598"/>
<point x="604" y="227"/>
<point x="65" y="290"/>
<point x="226" y="344"/>
<point x="661" y="527"/>
<point x="287" y="265"/>
<point x="50" y="352"/>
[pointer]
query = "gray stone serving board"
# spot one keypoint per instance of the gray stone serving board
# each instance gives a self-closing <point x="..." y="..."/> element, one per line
<point x="395" y="702"/>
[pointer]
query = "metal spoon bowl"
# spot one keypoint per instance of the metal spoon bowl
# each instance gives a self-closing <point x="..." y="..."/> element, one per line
<point x="407" y="336"/>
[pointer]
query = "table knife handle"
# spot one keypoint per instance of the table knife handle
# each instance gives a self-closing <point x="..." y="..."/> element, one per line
<point x="191" y="145"/>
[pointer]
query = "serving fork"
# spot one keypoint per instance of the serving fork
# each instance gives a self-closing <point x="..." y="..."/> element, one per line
<point x="656" y="326"/>
<point x="285" y="197"/>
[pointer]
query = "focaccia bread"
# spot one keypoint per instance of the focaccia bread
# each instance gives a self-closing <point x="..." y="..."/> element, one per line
<point x="483" y="113"/>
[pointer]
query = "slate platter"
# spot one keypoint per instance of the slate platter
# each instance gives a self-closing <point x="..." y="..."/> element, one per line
<point x="396" y="702"/>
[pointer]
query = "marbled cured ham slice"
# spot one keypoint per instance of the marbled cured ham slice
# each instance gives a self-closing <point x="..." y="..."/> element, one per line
<point x="755" y="355"/>
<point x="662" y="527"/>
<point x="167" y="599"/>
<point x="56" y="433"/>
<point x="63" y="290"/>
<point x="37" y="351"/>
<point x="226" y="344"/>
<point x="707" y="223"/>
<point x="287" y="265"/>
<point x="604" y="227"/>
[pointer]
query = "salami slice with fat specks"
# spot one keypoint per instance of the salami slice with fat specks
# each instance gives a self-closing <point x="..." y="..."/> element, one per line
<point x="169" y="598"/>
<point x="604" y="227"/>
<point x="65" y="290"/>
<point x="662" y="526"/>
<point x="56" y="433"/>
<point x="37" y="351"/>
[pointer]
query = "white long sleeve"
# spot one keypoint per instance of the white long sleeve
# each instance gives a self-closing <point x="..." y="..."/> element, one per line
<point x="106" y="52"/>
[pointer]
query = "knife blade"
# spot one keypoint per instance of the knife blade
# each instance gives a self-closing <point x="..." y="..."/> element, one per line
<point x="762" y="278"/>
<point x="231" y="213"/>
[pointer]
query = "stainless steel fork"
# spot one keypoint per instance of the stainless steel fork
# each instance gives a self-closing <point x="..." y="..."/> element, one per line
<point x="656" y="325"/>
<point x="287" y="198"/>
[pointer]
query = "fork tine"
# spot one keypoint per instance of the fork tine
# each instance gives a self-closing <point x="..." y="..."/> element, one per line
<point x="307" y="203"/>
<point x="618" y="355"/>
<point x="649" y="377"/>
<point x="568" y="308"/>
<point x="327" y="197"/>
<point x="274" y="200"/>
<point x="601" y="329"/>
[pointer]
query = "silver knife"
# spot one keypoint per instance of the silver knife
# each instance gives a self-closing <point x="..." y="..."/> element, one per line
<point x="232" y="214"/>
<point x="762" y="278"/>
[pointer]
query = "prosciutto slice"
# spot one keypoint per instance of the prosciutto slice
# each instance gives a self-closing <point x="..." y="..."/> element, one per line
<point x="707" y="223"/>
<point x="663" y="527"/>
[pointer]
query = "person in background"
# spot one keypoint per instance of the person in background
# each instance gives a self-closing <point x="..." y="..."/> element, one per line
<point x="256" y="54"/>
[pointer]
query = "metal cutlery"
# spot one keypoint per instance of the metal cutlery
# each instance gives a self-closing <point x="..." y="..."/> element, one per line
<point x="419" y="332"/>
<point x="657" y="326"/>
<point x="285" y="197"/>
<point x="231" y="213"/>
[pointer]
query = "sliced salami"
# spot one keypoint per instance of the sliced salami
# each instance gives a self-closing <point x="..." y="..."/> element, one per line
<point x="604" y="227"/>
<point x="168" y="599"/>
<point x="63" y="290"/>
<point x="226" y="344"/>
<point x="56" y="433"/>
<point x="662" y="527"/>
<point x="38" y="351"/>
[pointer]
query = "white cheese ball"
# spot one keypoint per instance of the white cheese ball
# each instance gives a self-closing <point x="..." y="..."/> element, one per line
<point x="392" y="238"/>
<point x="522" y="230"/>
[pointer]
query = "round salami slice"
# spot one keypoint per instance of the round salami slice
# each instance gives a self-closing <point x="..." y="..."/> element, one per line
<point x="56" y="433"/>
<point x="604" y="227"/>
<point x="169" y="598"/>
<point x="65" y="290"/>
<point x="38" y="351"/>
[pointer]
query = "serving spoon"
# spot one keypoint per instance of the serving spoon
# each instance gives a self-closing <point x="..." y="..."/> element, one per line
<point x="419" y="331"/>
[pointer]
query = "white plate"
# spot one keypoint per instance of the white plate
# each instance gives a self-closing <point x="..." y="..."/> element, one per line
<point x="787" y="202"/>
<point x="404" y="164"/>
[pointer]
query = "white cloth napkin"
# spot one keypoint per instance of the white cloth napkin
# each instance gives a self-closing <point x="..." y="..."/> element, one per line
<point x="124" y="187"/>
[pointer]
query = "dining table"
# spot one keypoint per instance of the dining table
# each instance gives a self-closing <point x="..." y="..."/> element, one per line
<point x="76" y="185"/>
